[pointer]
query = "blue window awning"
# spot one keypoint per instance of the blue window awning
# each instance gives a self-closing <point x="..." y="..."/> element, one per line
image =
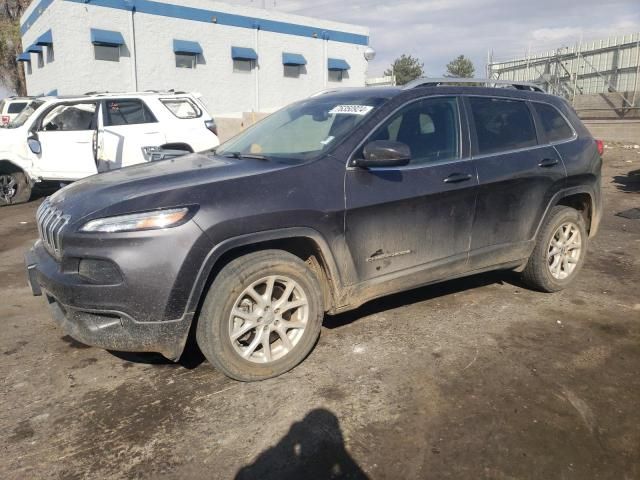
<point x="45" y="40"/>
<point x="338" y="64"/>
<point x="23" y="57"/>
<point x="293" y="59"/>
<point x="186" y="47"/>
<point x="34" y="49"/>
<point x="106" y="38"/>
<point x="242" y="53"/>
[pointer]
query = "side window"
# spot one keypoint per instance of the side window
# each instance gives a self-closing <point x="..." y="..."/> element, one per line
<point x="182" y="107"/>
<point x="16" y="107"/>
<point x="502" y="124"/>
<point x="67" y="118"/>
<point x="430" y="127"/>
<point x="126" y="112"/>
<point x="554" y="125"/>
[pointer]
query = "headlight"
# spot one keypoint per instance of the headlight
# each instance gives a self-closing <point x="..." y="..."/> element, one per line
<point x="138" y="221"/>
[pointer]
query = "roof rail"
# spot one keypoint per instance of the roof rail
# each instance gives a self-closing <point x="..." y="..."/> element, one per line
<point x="488" y="82"/>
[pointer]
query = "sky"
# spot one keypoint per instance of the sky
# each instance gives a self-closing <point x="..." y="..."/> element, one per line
<point x="436" y="31"/>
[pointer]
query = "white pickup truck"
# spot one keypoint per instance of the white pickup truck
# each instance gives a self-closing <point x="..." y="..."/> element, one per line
<point x="67" y="138"/>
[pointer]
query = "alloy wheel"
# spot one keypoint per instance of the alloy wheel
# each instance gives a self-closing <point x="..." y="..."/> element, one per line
<point x="564" y="250"/>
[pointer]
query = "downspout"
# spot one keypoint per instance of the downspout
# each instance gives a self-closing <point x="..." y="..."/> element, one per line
<point x="134" y="58"/>
<point x="257" y="75"/>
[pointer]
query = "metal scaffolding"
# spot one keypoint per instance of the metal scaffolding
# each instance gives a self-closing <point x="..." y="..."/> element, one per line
<point x="605" y="66"/>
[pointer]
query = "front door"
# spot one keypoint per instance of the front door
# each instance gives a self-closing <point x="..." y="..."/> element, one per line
<point x="126" y="127"/>
<point x="66" y="135"/>
<point x="417" y="218"/>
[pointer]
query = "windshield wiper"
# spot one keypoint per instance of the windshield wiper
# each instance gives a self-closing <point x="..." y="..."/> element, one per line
<point x="240" y="156"/>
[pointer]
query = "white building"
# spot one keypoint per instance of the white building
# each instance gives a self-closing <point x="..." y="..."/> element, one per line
<point x="240" y="59"/>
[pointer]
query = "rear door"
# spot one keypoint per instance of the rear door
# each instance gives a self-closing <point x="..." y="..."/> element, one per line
<point x="126" y="128"/>
<point x="66" y="134"/>
<point x="518" y="174"/>
<point x="414" y="221"/>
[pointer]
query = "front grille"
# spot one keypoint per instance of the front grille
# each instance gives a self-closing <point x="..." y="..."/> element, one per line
<point x="51" y="223"/>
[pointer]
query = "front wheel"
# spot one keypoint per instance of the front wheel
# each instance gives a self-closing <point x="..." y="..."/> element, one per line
<point x="560" y="251"/>
<point x="261" y="316"/>
<point x="14" y="188"/>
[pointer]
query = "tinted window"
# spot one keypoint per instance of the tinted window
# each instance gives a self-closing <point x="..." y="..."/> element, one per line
<point x="67" y="118"/>
<point x="554" y="125"/>
<point x="292" y="71"/>
<point x="107" y="53"/>
<point x="502" y="124"/>
<point x="242" y="66"/>
<point x="126" y="112"/>
<point x="429" y="127"/>
<point x="185" y="61"/>
<point x="16" y="107"/>
<point x="335" y="75"/>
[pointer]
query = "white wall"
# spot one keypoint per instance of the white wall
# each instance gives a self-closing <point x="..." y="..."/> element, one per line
<point x="74" y="70"/>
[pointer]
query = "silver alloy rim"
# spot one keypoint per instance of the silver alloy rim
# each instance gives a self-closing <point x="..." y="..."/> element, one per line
<point x="8" y="187"/>
<point x="268" y="319"/>
<point x="564" y="250"/>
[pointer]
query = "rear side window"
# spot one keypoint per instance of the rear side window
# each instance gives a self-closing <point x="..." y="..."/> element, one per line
<point x="182" y="107"/>
<point x="553" y="123"/>
<point x="127" y="112"/>
<point x="502" y="124"/>
<point x="16" y="107"/>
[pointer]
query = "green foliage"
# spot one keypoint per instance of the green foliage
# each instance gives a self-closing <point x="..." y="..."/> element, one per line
<point x="406" y="68"/>
<point x="460" y="67"/>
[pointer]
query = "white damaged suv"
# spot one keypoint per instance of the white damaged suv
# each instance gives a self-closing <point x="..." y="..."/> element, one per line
<point x="63" y="139"/>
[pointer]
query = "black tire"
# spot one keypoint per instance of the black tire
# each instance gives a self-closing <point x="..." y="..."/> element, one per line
<point x="14" y="188"/>
<point x="213" y="334"/>
<point x="537" y="274"/>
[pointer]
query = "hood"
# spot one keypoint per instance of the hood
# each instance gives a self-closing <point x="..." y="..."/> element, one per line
<point x="177" y="181"/>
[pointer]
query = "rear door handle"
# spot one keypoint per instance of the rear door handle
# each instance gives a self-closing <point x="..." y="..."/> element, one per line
<point x="548" y="162"/>
<point x="458" y="177"/>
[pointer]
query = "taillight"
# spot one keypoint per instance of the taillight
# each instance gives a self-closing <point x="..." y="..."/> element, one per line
<point x="4" y="120"/>
<point x="211" y="125"/>
<point x="600" y="146"/>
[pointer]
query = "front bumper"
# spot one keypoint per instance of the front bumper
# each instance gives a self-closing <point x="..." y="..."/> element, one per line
<point x="104" y="328"/>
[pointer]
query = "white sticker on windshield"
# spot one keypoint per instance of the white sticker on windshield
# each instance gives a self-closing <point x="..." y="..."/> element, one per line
<point x="327" y="140"/>
<point x="351" y="109"/>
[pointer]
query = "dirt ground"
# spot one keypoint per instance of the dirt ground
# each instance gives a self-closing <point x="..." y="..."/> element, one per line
<point x="474" y="378"/>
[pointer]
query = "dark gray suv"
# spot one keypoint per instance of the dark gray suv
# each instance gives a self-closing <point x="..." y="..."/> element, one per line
<point x="324" y="205"/>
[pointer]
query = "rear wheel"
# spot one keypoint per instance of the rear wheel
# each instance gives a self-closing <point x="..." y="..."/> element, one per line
<point x="261" y="316"/>
<point x="14" y="188"/>
<point x="560" y="251"/>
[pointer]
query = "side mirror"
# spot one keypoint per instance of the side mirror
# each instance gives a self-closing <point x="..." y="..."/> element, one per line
<point x="383" y="153"/>
<point x="34" y="145"/>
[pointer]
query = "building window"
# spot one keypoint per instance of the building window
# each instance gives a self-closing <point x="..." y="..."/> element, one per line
<point x="108" y="53"/>
<point x="185" y="61"/>
<point x="335" y="75"/>
<point x="292" y="71"/>
<point x="242" y="66"/>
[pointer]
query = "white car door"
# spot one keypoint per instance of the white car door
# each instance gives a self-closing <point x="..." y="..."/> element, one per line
<point x="126" y="128"/>
<point x="66" y="135"/>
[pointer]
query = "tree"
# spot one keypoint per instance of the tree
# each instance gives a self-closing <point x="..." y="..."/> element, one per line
<point x="460" y="67"/>
<point x="405" y="68"/>
<point x="11" y="72"/>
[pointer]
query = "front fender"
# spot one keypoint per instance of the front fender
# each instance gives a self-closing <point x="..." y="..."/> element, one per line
<point x="260" y="237"/>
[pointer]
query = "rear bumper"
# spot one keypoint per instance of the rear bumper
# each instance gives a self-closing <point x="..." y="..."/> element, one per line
<point x="108" y="329"/>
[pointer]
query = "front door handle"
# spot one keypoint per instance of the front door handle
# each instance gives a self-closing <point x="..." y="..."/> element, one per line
<point x="548" y="162"/>
<point x="458" y="177"/>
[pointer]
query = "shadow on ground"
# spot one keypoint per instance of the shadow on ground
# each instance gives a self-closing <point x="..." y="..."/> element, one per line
<point x="313" y="448"/>
<point x="629" y="183"/>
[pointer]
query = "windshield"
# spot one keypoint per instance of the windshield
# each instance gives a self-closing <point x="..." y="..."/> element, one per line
<point x="24" y="115"/>
<point x="304" y="130"/>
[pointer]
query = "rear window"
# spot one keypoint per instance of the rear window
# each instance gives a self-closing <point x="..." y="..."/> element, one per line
<point x="182" y="107"/>
<point x="16" y="107"/>
<point x="502" y="124"/>
<point x="553" y="123"/>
